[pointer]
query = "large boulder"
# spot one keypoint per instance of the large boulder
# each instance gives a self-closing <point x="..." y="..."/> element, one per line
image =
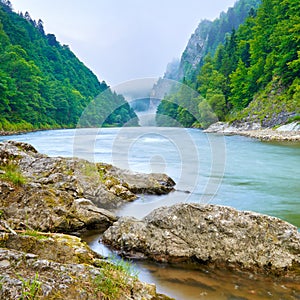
<point x="66" y="194"/>
<point x="209" y="234"/>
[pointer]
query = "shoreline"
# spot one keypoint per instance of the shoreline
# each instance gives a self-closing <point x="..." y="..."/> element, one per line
<point x="19" y="132"/>
<point x="263" y="134"/>
<point x="270" y="135"/>
<point x="253" y="130"/>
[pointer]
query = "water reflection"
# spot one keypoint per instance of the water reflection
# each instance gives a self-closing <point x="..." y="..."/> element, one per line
<point x="194" y="282"/>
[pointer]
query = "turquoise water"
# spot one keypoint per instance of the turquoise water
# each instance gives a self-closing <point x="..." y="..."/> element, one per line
<point x="235" y="171"/>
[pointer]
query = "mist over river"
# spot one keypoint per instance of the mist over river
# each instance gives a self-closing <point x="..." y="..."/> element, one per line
<point x="234" y="171"/>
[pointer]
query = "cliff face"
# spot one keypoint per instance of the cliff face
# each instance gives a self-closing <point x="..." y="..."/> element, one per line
<point x="208" y="35"/>
<point x="195" y="50"/>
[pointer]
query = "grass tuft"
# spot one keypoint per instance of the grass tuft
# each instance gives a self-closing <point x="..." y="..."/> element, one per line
<point x="11" y="173"/>
<point x="114" y="278"/>
<point x="30" y="288"/>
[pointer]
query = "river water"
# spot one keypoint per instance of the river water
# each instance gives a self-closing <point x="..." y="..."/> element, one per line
<point x="235" y="171"/>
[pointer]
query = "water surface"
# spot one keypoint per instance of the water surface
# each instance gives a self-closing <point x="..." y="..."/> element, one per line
<point x="235" y="171"/>
<point x="248" y="175"/>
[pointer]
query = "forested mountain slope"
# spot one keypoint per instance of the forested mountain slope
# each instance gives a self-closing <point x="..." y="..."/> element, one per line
<point x="209" y="34"/>
<point x="254" y="76"/>
<point x="43" y="84"/>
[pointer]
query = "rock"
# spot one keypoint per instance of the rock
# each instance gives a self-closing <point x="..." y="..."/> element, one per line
<point x="138" y="183"/>
<point x="62" y="267"/>
<point x="57" y="247"/>
<point x="209" y="234"/>
<point x="255" y="130"/>
<point x="234" y="128"/>
<point x="54" y="194"/>
<point x="294" y="126"/>
<point x="48" y="209"/>
<point x="66" y="195"/>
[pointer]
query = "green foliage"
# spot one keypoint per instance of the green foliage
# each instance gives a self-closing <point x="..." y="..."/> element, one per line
<point x="256" y="71"/>
<point x="42" y="83"/>
<point x="207" y="116"/>
<point x="38" y="235"/>
<point x="11" y="173"/>
<point x="30" y="288"/>
<point x="213" y="34"/>
<point x="290" y="120"/>
<point x="113" y="279"/>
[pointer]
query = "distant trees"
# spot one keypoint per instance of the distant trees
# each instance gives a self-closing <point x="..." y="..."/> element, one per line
<point x="259" y="63"/>
<point x="43" y="84"/>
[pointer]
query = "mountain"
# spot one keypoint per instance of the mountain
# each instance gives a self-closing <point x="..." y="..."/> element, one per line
<point x="208" y="35"/>
<point x="254" y="76"/>
<point x="44" y="85"/>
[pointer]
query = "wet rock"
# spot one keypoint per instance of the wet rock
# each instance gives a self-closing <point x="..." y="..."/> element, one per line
<point x="65" y="195"/>
<point x="209" y="234"/>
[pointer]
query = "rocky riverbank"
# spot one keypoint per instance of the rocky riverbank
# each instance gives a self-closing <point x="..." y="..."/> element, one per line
<point x="66" y="195"/>
<point x="289" y="132"/>
<point x="211" y="235"/>
<point x="36" y="265"/>
<point x="41" y="196"/>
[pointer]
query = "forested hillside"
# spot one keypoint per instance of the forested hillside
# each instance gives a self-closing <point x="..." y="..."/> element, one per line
<point x="253" y="76"/>
<point x="208" y="35"/>
<point x="43" y="84"/>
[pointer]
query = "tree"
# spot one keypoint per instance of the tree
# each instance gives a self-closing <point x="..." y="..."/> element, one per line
<point x="40" y="27"/>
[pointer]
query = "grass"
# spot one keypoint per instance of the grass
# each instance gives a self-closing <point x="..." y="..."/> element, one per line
<point x="124" y="266"/>
<point x="36" y="234"/>
<point x="114" y="278"/>
<point x="11" y="173"/>
<point x="30" y="288"/>
<point x="89" y="169"/>
<point x="294" y="119"/>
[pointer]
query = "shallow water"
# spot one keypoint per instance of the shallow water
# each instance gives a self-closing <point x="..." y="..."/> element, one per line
<point x="235" y="171"/>
<point x="194" y="282"/>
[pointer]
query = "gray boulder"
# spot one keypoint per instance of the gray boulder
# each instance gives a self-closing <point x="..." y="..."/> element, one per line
<point x="209" y="234"/>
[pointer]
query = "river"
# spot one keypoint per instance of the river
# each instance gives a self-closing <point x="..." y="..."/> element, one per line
<point x="235" y="171"/>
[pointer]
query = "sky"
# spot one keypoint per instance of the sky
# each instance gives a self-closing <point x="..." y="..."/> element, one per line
<point x="122" y="40"/>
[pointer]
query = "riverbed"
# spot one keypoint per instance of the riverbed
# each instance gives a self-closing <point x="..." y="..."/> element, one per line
<point x="236" y="171"/>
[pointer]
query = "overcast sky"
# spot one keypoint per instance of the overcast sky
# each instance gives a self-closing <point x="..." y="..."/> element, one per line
<point x="121" y="40"/>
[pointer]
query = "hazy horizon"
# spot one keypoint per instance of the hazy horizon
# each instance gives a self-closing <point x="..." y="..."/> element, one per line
<point x="121" y="41"/>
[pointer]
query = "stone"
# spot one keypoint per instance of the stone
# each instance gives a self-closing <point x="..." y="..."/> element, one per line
<point x="67" y="194"/>
<point x="209" y="234"/>
<point x="286" y="133"/>
<point x="59" y="266"/>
